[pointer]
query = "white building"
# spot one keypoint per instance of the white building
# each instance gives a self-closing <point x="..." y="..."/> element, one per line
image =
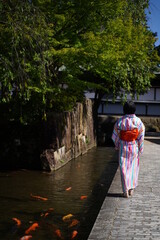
<point x="146" y="105"/>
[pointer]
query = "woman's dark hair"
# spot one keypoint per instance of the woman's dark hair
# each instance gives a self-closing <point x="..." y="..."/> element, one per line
<point x="129" y="107"/>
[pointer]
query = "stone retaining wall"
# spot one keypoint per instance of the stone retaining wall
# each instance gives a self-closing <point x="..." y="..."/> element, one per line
<point x="73" y="136"/>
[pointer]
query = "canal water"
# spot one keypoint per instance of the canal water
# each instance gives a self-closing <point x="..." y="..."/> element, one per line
<point x="61" y="203"/>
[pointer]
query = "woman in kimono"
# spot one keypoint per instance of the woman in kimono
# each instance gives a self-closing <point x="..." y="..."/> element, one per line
<point x="128" y="137"/>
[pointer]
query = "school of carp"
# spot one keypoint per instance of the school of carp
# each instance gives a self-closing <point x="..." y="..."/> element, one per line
<point x="69" y="219"/>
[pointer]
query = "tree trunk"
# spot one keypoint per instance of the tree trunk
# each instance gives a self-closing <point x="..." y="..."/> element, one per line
<point x="97" y="101"/>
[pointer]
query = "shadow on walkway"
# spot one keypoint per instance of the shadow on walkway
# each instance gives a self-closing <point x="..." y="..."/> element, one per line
<point x="115" y="195"/>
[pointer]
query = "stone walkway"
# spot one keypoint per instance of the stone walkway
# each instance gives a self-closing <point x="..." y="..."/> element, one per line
<point x="137" y="217"/>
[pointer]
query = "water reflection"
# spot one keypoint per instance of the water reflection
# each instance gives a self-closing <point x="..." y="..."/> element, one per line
<point x="89" y="175"/>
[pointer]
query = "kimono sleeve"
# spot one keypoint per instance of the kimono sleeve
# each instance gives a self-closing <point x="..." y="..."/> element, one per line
<point x="140" y="138"/>
<point x="115" y="136"/>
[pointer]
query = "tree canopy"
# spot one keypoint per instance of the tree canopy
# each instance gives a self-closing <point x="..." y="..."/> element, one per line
<point x="53" y="51"/>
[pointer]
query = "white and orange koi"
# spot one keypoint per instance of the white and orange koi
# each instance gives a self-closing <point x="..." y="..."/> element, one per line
<point x="18" y="222"/>
<point x="27" y="237"/>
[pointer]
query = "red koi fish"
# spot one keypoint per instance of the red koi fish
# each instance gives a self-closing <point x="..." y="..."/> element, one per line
<point x="73" y="223"/>
<point x="74" y="234"/>
<point x="18" y="222"/>
<point x="83" y="197"/>
<point x="32" y="228"/>
<point x="26" y="237"/>
<point x="58" y="233"/>
<point x="39" y="197"/>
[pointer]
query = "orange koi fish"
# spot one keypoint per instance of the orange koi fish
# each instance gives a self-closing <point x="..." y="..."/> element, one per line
<point x="73" y="223"/>
<point x="58" y="233"/>
<point x="26" y="237"/>
<point x="67" y="217"/>
<point x="51" y="209"/>
<point x="74" y="234"/>
<point x="39" y="197"/>
<point x="83" y="197"/>
<point x="68" y="189"/>
<point x="18" y="222"/>
<point x="32" y="228"/>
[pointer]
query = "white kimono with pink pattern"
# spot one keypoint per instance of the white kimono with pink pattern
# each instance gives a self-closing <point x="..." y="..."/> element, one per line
<point x="129" y="151"/>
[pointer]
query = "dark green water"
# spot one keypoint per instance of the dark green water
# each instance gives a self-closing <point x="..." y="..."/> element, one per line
<point x="89" y="175"/>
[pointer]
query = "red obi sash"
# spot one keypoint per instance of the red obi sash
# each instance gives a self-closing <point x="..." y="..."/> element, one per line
<point x="129" y="135"/>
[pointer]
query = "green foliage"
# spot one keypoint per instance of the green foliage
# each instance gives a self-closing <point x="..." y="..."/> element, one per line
<point x="50" y="48"/>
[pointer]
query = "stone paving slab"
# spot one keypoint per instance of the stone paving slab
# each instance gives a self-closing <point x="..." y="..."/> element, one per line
<point x="137" y="217"/>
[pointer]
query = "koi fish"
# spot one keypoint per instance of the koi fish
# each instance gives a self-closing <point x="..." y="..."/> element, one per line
<point x="74" y="234"/>
<point x="32" y="228"/>
<point x="73" y="223"/>
<point x="58" y="233"/>
<point x="26" y="237"/>
<point x="67" y="217"/>
<point x="39" y="197"/>
<point x="46" y="214"/>
<point x="83" y="197"/>
<point x="68" y="189"/>
<point x="18" y="222"/>
<point x="51" y="209"/>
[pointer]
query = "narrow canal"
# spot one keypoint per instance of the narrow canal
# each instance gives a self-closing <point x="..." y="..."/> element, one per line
<point x="72" y="197"/>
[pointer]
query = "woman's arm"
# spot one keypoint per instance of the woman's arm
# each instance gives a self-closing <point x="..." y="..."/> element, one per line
<point x="115" y="136"/>
<point x="140" y="138"/>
